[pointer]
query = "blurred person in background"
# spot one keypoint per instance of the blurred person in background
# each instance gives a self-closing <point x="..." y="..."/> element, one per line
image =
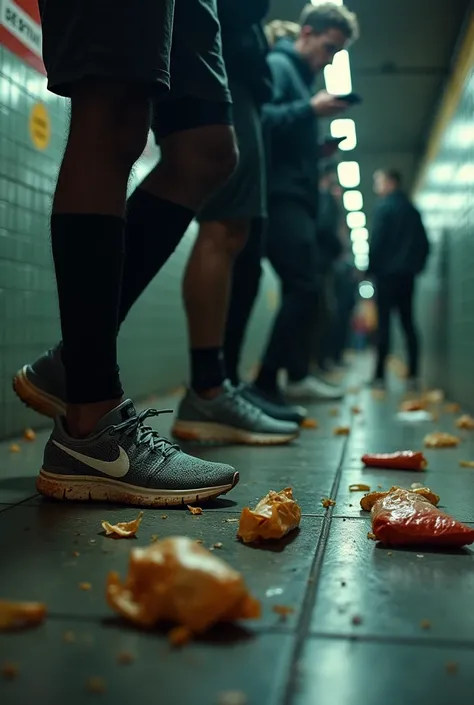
<point x="399" y="249"/>
<point x="345" y="290"/>
<point x="291" y="246"/>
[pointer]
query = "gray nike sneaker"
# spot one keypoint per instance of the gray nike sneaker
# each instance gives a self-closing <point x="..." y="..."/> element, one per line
<point x="42" y="385"/>
<point x="125" y="461"/>
<point x="229" y="418"/>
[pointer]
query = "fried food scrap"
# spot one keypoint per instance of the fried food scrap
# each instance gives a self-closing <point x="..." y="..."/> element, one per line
<point x="466" y="421"/>
<point x="439" y="439"/>
<point x="413" y="405"/>
<point x="233" y="520"/>
<point x="434" y="396"/>
<point x="328" y="502"/>
<point x="125" y="658"/>
<point x="176" y="580"/>
<point x="274" y="516"/>
<point x="402" y="460"/>
<point x="219" y="544"/>
<point x="29" y="434"/>
<point x="342" y="431"/>
<point x="179" y="636"/>
<point x="164" y="516"/>
<point x="85" y="586"/>
<point x="309" y="423"/>
<point x="282" y="610"/>
<point x="123" y="529"/>
<point x="425" y="624"/>
<point x="21" y="615"/>
<point x="466" y="463"/>
<point x="416" y="485"/>
<point x="10" y="670"/>
<point x="69" y="637"/>
<point x="359" y="487"/>
<point x="452" y="667"/>
<point x="356" y="410"/>
<point x="371" y="536"/>
<point x="368" y="500"/>
<point x="406" y="517"/>
<point x="452" y="408"/>
<point x="96" y="685"/>
<point x="194" y="510"/>
<point x="154" y="538"/>
<point x="14" y="448"/>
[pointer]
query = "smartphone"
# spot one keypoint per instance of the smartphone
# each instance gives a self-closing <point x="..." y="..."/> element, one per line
<point x="333" y="140"/>
<point x="352" y="98"/>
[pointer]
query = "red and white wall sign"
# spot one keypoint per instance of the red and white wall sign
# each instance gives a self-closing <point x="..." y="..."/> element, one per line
<point x="20" y="30"/>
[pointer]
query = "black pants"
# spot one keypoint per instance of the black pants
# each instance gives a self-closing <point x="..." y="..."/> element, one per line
<point x="292" y="250"/>
<point x="246" y="276"/>
<point x="396" y="293"/>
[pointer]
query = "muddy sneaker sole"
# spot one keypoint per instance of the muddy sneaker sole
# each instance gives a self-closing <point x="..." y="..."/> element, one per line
<point x="87" y="489"/>
<point x="220" y="433"/>
<point x="35" y="398"/>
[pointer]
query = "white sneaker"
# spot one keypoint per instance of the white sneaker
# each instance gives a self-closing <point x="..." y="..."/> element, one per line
<point x="311" y="388"/>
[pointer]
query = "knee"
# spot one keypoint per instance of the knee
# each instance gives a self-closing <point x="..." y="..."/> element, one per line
<point x="113" y="120"/>
<point x="228" y="237"/>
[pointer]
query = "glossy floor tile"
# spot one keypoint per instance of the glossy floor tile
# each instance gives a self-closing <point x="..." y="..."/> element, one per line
<point x="368" y="624"/>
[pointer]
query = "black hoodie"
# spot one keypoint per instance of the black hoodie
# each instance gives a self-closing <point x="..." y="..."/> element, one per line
<point x="292" y="126"/>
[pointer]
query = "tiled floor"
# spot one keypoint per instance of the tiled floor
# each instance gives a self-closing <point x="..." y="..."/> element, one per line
<point x="329" y="572"/>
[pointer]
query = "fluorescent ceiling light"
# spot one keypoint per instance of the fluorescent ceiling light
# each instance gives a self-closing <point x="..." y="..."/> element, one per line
<point x="460" y="135"/>
<point x="323" y="2"/>
<point x="356" y="219"/>
<point x="360" y="247"/>
<point x="337" y="75"/>
<point x="345" y="127"/>
<point x="440" y="173"/>
<point x="366" y="290"/>
<point x="359" y="234"/>
<point x="353" y="200"/>
<point x="465" y="175"/>
<point x="348" y="174"/>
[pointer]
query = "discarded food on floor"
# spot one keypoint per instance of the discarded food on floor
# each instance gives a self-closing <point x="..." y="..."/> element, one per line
<point x="85" y="586"/>
<point x="413" y="405"/>
<point x="466" y="422"/>
<point x="96" y="685"/>
<point x="218" y="544"/>
<point x="407" y="517"/>
<point x="283" y="610"/>
<point x="21" y="615"/>
<point x="309" y="423"/>
<point x="452" y="408"/>
<point x="179" y="636"/>
<point x="123" y="529"/>
<point x="29" y="434"/>
<point x="342" y="431"/>
<point x="328" y="502"/>
<point x="368" y="500"/>
<point x="416" y="486"/>
<point x="466" y="463"/>
<point x="356" y="409"/>
<point x="434" y="396"/>
<point x="274" y="516"/>
<point x="425" y="624"/>
<point x="402" y="460"/>
<point x="359" y="487"/>
<point x="14" y="448"/>
<point x="177" y="580"/>
<point x="194" y="510"/>
<point x="439" y="439"/>
<point x="10" y="670"/>
<point x="125" y="658"/>
<point x="452" y="667"/>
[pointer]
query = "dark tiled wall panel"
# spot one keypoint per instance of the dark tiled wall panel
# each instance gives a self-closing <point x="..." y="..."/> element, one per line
<point x="153" y="342"/>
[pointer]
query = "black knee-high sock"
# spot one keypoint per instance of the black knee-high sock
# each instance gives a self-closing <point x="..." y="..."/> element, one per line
<point x="207" y="368"/>
<point x="154" y="230"/>
<point x="88" y="252"/>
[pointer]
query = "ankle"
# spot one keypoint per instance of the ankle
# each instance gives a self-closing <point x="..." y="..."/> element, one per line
<point x="81" y="419"/>
<point x="209" y="394"/>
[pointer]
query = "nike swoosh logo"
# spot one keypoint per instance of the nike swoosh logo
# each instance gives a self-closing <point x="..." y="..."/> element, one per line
<point x="113" y="468"/>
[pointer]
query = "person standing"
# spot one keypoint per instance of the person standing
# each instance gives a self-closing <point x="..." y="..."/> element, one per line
<point x="399" y="249"/>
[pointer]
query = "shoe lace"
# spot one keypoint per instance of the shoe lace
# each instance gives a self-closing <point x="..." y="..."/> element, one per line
<point x="146" y="435"/>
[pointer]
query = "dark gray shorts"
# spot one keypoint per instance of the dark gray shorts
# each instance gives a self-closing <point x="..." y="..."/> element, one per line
<point x="244" y="195"/>
<point x="173" y="45"/>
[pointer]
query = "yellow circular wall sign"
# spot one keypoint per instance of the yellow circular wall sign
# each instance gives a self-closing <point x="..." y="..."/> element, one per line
<point x="40" y="126"/>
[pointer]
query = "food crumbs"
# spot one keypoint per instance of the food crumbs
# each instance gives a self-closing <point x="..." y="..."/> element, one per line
<point x="10" y="670"/>
<point x="164" y="516"/>
<point x="309" y="423"/>
<point x="92" y="541"/>
<point x="328" y="502"/>
<point x="15" y="448"/>
<point x="416" y="485"/>
<point x="85" y="586"/>
<point x="342" y="431"/>
<point x="29" y="434"/>
<point x="425" y="624"/>
<point x="371" y="536"/>
<point x="356" y="410"/>
<point x="122" y="529"/>
<point x="154" y="538"/>
<point x="75" y="554"/>
<point x="356" y="620"/>
<point x="231" y="521"/>
<point x="232" y="697"/>
<point x="359" y="487"/>
<point x="96" y="685"/>
<point x="69" y="637"/>
<point x="194" y="510"/>
<point x="389" y="553"/>
<point x="218" y="545"/>
<point x="179" y="636"/>
<point x="452" y="667"/>
<point x="466" y="463"/>
<point x="125" y="658"/>
<point x="334" y="411"/>
<point x="199" y="541"/>
<point x="282" y="610"/>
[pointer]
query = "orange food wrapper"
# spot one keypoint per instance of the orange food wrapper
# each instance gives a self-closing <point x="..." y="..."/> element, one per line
<point x="274" y="516"/>
<point x="406" y="517"/>
<point x="29" y="434"/>
<point x="309" y="423"/>
<point x="368" y="500"/>
<point x="466" y="422"/>
<point x="439" y="439"/>
<point x="21" y="615"/>
<point x="177" y="580"/>
<point x="123" y="529"/>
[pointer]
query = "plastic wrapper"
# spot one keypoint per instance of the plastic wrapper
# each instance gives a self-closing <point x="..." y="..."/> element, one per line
<point x="403" y="460"/>
<point x="368" y="500"/>
<point x="21" y="615"/>
<point x="407" y="517"/>
<point x="274" y="516"/>
<point x="177" y="580"/>
<point x="123" y="529"/>
<point x="439" y="439"/>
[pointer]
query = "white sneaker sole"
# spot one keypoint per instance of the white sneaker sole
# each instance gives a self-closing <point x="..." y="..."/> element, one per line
<point x="220" y="433"/>
<point x="98" y="489"/>
<point x="306" y="395"/>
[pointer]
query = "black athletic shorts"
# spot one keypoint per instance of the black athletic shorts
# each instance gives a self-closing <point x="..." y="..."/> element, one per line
<point x="244" y="194"/>
<point x="172" y="45"/>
